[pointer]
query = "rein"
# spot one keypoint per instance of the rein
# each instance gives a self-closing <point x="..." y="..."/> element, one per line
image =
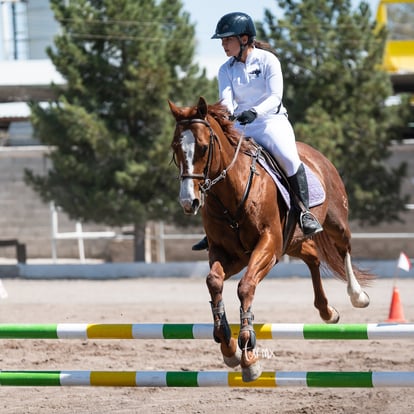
<point x="209" y="183"/>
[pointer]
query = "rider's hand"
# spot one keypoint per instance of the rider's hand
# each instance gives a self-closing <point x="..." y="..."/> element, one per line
<point x="246" y="117"/>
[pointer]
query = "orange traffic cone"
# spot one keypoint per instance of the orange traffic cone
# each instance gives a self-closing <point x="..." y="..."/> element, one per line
<point x="396" y="311"/>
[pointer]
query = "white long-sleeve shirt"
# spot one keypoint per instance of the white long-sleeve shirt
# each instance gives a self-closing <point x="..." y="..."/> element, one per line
<point x="257" y="84"/>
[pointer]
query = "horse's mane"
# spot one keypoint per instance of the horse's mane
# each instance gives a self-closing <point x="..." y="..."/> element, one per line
<point x="220" y="113"/>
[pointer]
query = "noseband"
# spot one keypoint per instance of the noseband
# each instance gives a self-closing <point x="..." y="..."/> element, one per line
<point x="208" y="183"/>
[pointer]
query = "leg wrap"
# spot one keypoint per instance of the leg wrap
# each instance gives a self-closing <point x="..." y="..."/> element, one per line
<point x="220" y="321"/>
<point x="251" y="344"/>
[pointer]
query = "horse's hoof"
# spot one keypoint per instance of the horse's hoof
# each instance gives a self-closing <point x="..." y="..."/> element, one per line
<point x="252" y="372"/>
<point x="334" y="316"/>
<point x="234" y="360"/>
<point x="360" y="300"/>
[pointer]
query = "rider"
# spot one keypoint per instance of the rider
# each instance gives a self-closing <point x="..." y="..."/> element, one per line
<point x="251" y="86"/>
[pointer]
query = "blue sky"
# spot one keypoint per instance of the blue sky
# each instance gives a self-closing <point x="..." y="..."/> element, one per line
<point x="205" y="15"/>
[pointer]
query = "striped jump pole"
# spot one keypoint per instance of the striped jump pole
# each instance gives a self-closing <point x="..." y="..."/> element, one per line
<point x="205" y="331"/>
<point x="206" y="379"/>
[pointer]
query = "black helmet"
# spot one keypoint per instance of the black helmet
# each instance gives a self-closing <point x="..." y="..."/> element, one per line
<point x="235" y="24"/>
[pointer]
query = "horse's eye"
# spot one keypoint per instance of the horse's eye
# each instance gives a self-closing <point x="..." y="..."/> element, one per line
<point x="204" y="149"/>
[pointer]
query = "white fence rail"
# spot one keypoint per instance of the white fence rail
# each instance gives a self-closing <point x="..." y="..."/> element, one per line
<point x="78" y="235"/>
<point x="159" y="235"/>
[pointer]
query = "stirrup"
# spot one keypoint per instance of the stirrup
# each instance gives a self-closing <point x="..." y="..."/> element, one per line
<point x="309" y="224"/>
<point x="201" y="245"/>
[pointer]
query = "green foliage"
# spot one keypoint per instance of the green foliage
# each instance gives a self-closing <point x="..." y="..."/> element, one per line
<point x="335" y="92"/>
<point x="110" y="127"/>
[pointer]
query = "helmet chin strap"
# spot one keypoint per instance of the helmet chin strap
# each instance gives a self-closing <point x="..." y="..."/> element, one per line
<point x="239" y="56"/>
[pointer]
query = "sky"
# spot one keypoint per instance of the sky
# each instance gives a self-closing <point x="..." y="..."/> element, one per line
<point x="206" y="13"/>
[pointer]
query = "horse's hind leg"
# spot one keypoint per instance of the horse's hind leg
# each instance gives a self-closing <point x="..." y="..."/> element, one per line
<point x="309" y="255"/>
<point x="341" y="236"/>
<point x="359" y="298"/>
<point x="222" y="333"/>
<point x="327" y="312"/>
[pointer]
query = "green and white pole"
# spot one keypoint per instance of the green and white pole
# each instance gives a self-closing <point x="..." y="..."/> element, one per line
<point x="206" y="379"/>
<point x="373" y="331"/>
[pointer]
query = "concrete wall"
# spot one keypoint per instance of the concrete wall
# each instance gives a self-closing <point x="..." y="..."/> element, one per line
<point x="390" y="248"/>
<point x="25" y="217"/>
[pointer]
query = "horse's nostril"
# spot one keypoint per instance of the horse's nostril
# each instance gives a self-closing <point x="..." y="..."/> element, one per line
<point x="196" y="205"/>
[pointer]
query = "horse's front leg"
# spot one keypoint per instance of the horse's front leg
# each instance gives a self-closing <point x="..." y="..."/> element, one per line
<point x="261" y="261"/>
<point x="222" y="332"/>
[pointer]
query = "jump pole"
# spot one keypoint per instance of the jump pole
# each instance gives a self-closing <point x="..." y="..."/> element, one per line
<point x="206" y="379"/>
<point x="373" y="331"/>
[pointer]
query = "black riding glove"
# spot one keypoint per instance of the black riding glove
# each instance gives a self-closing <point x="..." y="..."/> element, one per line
<point x="247" y="117"/>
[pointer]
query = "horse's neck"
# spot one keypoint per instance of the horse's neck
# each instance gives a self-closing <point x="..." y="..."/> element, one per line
<point x="225" y="151"/>
<point x="231" y="162"/>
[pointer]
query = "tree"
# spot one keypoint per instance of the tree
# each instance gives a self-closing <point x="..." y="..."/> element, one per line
<point x="400" y="17"/>
<point x="335" y="92"/>
<point x="109" y="126"/>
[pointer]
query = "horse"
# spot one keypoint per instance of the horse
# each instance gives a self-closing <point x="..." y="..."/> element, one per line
<point x="245" y="221"/>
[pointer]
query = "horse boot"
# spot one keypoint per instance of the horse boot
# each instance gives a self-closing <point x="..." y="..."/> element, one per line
<point x="201" y="245"/>
<point x="308" y="223"/>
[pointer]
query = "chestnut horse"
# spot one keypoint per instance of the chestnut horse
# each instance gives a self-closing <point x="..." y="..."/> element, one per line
<point x="244" y="220"/>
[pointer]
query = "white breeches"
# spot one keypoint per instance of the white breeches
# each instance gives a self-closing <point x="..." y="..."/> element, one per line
<point x="276" y="135"/>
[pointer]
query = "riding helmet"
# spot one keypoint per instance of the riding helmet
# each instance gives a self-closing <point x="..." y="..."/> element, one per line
<point x="235" y="24"/>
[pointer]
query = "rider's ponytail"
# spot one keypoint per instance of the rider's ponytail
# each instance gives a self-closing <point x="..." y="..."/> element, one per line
<point x="264" y="46"/>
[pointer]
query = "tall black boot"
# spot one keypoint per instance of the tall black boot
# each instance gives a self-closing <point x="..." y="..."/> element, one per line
<point x="299" y="186"/>
<point x="201" y="245"/>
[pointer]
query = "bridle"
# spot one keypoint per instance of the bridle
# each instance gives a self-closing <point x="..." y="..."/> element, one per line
<point x="232" y="219"/>
<point x="208" y="182"/>
<point x="213" y="136"/>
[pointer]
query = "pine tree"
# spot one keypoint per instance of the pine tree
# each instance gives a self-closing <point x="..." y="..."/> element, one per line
<point x="110" y="127"/>
<point x="335" y="92"/>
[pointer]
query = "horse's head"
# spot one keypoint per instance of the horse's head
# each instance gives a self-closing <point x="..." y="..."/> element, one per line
<point x="192" y="147"/>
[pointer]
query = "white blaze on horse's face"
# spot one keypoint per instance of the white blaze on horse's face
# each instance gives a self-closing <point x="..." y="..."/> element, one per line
<point x="188" y="200"/>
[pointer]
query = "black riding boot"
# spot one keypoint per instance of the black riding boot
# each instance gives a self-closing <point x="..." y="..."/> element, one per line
<point x="201" y="245"/>
<point x="299" y="186"/>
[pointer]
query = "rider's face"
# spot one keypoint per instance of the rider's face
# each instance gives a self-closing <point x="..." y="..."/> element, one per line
<point x="231" y="45"/>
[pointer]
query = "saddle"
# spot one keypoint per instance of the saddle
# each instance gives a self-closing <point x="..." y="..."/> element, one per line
<point x="265" y="159"/>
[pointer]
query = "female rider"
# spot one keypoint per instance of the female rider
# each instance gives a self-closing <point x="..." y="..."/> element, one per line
<point x="251" y="87"/>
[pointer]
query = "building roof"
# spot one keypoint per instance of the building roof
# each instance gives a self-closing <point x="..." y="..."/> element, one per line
<point x="24" y="80"/>
<point x="14" y="110"/>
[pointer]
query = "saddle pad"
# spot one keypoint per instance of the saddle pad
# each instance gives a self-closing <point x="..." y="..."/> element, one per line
<point x="316" y="191"/>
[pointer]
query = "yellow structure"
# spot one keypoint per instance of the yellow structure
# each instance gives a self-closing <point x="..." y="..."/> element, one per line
<point x="399" y="54"/>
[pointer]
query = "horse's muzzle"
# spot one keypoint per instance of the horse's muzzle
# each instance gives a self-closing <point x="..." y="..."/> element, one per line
<point x="189" y="198"/>
<point x="191" y="207"/>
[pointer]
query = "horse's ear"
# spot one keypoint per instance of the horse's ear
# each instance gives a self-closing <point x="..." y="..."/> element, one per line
<point x="175" y="110"/>
<point x="202" y="107"/>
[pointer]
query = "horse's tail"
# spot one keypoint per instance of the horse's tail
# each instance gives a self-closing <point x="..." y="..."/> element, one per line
<point x="331" y="259"/>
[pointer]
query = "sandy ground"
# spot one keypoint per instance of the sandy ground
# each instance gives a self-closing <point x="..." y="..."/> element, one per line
<point x="186" y="300"/>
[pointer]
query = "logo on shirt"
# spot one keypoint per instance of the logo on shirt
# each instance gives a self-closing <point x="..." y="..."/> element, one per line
<point x="256" y="72"/>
